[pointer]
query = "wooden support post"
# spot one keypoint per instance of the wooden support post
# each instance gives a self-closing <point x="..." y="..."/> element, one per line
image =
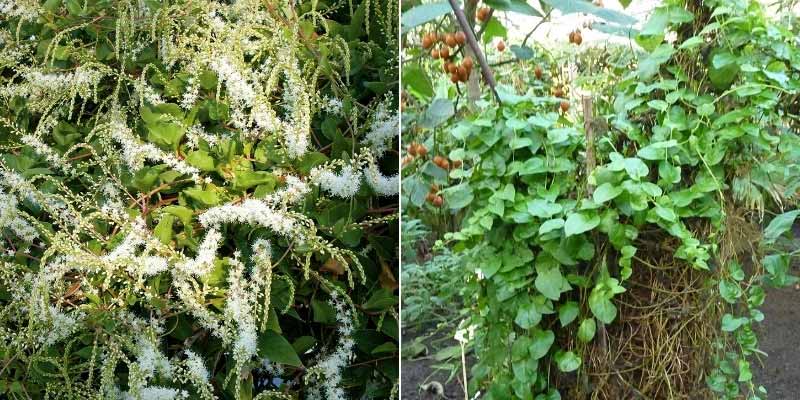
<point x="588" y="117"/>
<point x="591" y="162"/>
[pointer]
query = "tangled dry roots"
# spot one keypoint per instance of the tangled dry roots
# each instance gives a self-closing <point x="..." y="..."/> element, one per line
<point x="662" y="344"/>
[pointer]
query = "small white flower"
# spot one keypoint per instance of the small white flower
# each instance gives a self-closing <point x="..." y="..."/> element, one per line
<point x="345" y="184"/>
<point x="196" y="367"/>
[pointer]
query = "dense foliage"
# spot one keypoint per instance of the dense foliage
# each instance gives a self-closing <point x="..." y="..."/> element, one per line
<point x="694" y="140"/>
<point x="198" y="199"/>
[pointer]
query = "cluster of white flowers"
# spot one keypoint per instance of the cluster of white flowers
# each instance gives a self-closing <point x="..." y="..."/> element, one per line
<point x="203" y="263"/>
<point x="61" y="325"/>
<point x="25" y="9"/>
<point x="250" y="211"/>
<point x="332" y="105"/>
<point x="190" y="95"/>
<point x="384" y="127"/>
<point x="239" y="308"/>
<point x="148" y="94"/>
<point x="150" y="360"/>
<point x="265" y="117"/>
<point x="130" y="244"/>
<point x="153" y="265"/>
<point x="55" y="205"/>
<point x="112" y="206"/>
<point x="158" y="393"/>
<point x="196" y="367"/>
<point x="239" y="88"/>
<point x="382" y="185"/>
<point x="13" y="55"/>
<point x="330" y="367"/>
<point x="293" y="192"/>
<point x="142" y="263"/>
<point x="196" y="133"/>
<point x="53" y="157"/>
<point x="135" y="153"/>
<point x="345" y="184"/>
<point x="42" y="88"/>
<point x="296" y="130"/>
<point x="10" y="218"/>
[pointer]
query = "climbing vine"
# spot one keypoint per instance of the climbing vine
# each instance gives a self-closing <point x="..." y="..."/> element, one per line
<point x="564" y="193"/>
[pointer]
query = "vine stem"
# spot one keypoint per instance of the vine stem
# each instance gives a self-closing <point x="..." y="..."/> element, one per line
<point x="473" y="44"/>
<point x="464" y="371"/>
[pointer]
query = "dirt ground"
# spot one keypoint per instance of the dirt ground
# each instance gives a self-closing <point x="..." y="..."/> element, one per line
<point x="780" y="339"/>
<point x="416" y="373"/>
<point x="779" y="334"/>
<point x="421" y="371"/>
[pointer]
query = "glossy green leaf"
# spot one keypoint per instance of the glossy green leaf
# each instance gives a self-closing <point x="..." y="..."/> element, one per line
<point x="580" y="222"/>
<point x="586" y="330"/>
<point x="277" y="349"/>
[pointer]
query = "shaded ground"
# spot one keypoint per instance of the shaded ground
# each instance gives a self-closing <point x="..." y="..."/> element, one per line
<point x="421" y="371"/>
<point x="779" y="336"/>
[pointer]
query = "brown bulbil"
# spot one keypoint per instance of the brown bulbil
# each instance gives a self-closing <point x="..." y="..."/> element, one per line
<point x="461" y="38"/>
<point x="455" y="78"/>
<point x="435" y="54"/>
<point x="501" y="46"/>
<point x="412" y="149"/>
<point x="444" y="53"/>
<point x="427" y="42"/>
<point x="559" y="92"/>
<point x="572" y="37"/>
<point x="450" y="40"/>
<point x="467" y="63"/>
<point x="438" y="160"/>
<point x="457" y="163"/>
<point x="422" y="151"/>
<point x="578" y="38"/>
<point x="483" y="14"/>
<point x="438" y="201"/>
<point x="453" y="68"/>
<point x="538" y="72"/>
<point x="463" y="75"/>
<point x="564" y="106"/>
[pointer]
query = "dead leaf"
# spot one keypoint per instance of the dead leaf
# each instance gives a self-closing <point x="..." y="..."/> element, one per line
<point x="387" y="278"/>
<point x="333" y="266"/>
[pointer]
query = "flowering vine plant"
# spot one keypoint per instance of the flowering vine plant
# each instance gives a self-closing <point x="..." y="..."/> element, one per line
<point x="572" y="201"/>
<point x="198" y="199"/>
